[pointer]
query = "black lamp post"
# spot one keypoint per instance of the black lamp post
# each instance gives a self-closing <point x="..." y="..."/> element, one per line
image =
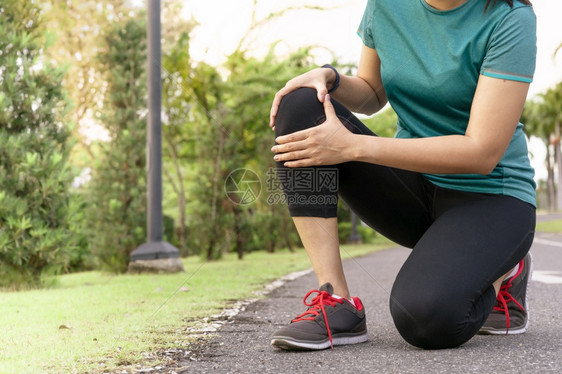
<point x="156" y="249"/>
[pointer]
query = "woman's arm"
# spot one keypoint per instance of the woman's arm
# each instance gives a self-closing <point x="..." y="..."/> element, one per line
<point x="495" y="112"/>
<point x="363" y="93"/>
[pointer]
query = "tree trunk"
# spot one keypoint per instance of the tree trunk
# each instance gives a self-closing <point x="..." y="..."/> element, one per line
<point x="179" y="189"/>
<point x="210" y="247"/>
<point x="272" y="238"/>
<point x="215" y="220"/>
<point x="286" y="234"/>
<point x="559" y="165"/>
<point x="239" y="231"/>
<point x="550" y="188"/>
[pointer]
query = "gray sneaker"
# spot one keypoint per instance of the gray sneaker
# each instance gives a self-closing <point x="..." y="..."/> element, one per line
<point x="328" y="322"/>
<point x="511" y="314"/>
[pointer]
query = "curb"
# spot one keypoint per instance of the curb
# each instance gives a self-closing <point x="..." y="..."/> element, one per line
<point x="214" y="322"/>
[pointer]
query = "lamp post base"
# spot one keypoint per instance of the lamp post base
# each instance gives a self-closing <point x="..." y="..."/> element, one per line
<point x="155" y="257"/>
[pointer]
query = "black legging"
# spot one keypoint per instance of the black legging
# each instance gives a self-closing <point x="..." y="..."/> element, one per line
<point x="462" y="242"/>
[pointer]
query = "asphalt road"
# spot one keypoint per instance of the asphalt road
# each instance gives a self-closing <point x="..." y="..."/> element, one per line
<point x="242" y="345"/>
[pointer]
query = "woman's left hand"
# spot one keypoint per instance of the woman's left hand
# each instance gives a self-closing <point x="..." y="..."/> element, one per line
<point x="329" y="143"/>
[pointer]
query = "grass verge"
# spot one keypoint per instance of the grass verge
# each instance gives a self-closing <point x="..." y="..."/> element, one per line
<point x="550" y="226"/>
<point x="95" y="322"/>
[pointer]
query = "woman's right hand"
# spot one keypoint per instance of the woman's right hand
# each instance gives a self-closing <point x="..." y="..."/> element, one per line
<point x="319" y="79"/>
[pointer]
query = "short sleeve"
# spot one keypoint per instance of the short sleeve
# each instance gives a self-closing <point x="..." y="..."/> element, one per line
<point x="512" y="47"/>
<point x="365" y="30"/>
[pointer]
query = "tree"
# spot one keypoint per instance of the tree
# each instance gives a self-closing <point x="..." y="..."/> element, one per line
<point x="225" y="122"/>
<point x="36" y="207"/>
<point x="178" y="151"/>
<point x="551" y="111"/>
<point x="117" y="190"/>
<point x="77" y="29"/>
<point x="542" y="117"/>
<point x="213" y="126"/>
<point x="535" y="125"/>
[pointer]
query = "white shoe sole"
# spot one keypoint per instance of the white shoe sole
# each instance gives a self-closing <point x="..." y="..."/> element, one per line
<point x="291" y="344"/>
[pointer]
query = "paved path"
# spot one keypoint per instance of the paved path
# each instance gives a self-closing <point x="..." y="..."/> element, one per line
<point x="543" y="217"/>
<point x="243" y="345"/>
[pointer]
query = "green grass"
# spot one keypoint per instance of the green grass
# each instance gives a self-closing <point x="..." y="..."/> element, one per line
<point x="550" y="226"/>
<point x="113" y="321"/>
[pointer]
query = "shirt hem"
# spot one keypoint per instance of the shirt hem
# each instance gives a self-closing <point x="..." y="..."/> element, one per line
<point x="526" y="197"/>
<point x="518" y="78"/>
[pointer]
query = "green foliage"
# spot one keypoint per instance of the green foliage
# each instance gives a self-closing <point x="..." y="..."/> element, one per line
<point x="37" y="233"/>
<point x="82" y="258"/>
<point x="217" y="123"/>
<point x="266" y="232"/>
<point x="344" y="225"/>
<point x="247" y="96"/>
<point x="541" y="114"/>
<point x="383" y="123"/>
<point x="366" y="233"/>
<point x="117" y="192"/>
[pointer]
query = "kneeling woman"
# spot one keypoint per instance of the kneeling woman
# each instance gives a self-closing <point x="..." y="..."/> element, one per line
<point x="455" y="184"/>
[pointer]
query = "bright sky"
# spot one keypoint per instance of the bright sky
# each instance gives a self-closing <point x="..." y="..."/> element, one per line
<point x="224" y="22"/>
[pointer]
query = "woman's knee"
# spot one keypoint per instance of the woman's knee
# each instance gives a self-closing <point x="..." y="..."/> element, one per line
<point x="432" y="323"/>
<point x="299" y="110"/>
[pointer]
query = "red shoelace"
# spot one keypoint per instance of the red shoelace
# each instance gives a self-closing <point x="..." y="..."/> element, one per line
<point x="505" y="297"/>
<point x="317" y="305"/>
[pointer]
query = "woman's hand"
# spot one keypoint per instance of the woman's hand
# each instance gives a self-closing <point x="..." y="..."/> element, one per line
<point x="329" y="143"/>
<point x="319" y="79"/>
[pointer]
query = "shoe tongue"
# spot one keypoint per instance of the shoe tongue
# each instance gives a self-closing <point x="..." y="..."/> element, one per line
<point x="327" y="287"/>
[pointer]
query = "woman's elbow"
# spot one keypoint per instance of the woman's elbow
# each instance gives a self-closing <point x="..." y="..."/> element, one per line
<point x="370" y="107"/>
<point x="485" y="169"/>
<point x="368" y="111"/>
<point x="483" y="157"/>
<point x="486" y="165"/>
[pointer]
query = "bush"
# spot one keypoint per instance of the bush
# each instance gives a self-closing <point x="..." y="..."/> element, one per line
<point x="36" y="216"/>
<point x="266" y="232"/>
<point x="367" y="234"/>
<point x="81" y="258"/>
<point x="169" y="231"/>
<point x="117" y="191"/>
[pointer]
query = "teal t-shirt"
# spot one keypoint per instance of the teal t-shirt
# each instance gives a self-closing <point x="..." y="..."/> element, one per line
<point x="430" y="64"/>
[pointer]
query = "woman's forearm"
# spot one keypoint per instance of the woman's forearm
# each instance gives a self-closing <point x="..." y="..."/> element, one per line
<point x="452" y="154"/>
